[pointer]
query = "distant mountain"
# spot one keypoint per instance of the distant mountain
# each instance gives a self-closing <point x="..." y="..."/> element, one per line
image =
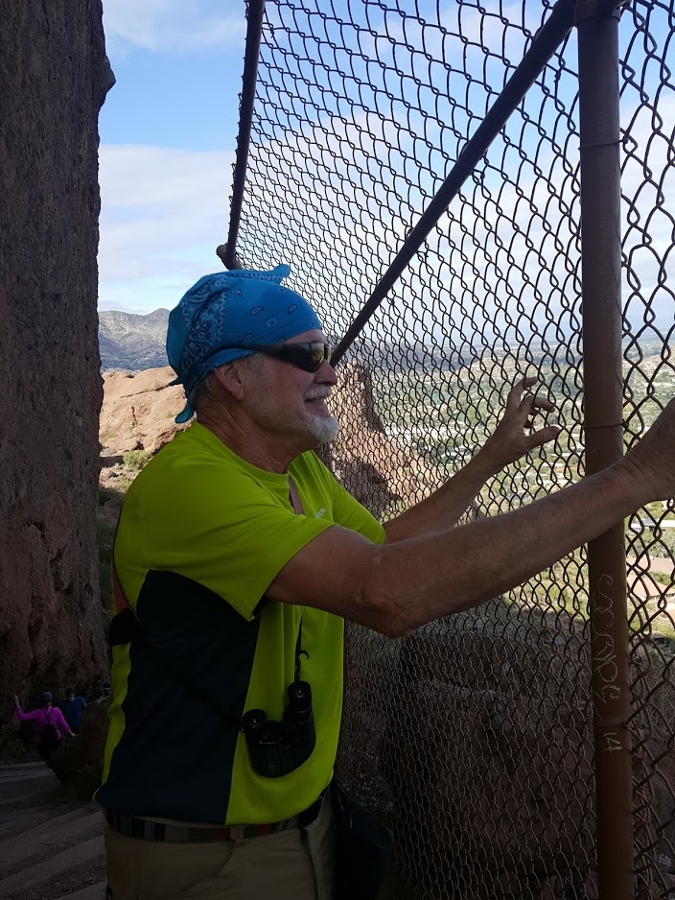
<point x="132" y="343"/>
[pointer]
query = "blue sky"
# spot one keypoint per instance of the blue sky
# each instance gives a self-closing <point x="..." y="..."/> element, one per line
<point x="168" y="134"/>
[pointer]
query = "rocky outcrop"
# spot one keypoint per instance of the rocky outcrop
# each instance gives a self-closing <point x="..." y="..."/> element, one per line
<point x="488" y="751"/>
<point x="54" y="75"/>
<point x="472" y="737"/>
<point x="80" y="761"/>
<point x="380" y="470"/>
<point x="139" y="410"/>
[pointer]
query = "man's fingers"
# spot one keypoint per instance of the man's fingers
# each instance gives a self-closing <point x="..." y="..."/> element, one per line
<point x="542" y="403"/>
<point x="514" y="395"/>
<point x="530" y="406"/>
<point x="543" y="436"/>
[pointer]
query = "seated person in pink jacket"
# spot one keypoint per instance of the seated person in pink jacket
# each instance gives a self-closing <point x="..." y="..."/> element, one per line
<point x="51" y="726"/>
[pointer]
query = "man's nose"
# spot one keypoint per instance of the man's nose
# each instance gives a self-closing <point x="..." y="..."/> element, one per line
<point x="326" y="374"/>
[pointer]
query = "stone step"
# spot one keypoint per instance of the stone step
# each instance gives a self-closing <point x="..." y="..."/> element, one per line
<point x="43" y="773"/>
<point x="20" y="817"/>
<point x="93" y="892"/>
<point x="48" y="838"/>
<point x="7" y="770"/>
<point x="24" y="883"/>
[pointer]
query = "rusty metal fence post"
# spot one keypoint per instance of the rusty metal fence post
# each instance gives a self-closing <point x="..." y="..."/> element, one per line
<point x="601" y="273"/>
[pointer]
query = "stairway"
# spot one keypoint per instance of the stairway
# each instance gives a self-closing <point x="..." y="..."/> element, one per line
<point x="51" y="846"/>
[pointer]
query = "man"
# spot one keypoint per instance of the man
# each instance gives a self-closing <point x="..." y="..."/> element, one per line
<point x="73" y="709"/>
<point x="241" y="556"/>
<point x="50" y="724"/>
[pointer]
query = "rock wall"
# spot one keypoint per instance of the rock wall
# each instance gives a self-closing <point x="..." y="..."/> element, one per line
<point x="54" y="75"/>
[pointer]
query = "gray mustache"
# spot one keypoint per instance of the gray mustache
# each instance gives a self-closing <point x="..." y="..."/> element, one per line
<point x="319" y="394"/>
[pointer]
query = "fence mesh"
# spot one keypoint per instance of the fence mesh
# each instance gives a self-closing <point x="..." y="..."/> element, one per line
<point x="473" y="736"/>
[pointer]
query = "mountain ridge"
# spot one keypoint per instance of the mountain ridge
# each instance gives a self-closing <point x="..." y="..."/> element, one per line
<point x="131" y="342"/>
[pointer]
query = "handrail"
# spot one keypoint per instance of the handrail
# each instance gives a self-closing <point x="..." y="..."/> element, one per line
<point x="544" y="44"/>
<point x="254" y="15"/>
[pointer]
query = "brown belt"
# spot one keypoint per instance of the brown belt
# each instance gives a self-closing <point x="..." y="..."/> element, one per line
<point x="145" y="830"/>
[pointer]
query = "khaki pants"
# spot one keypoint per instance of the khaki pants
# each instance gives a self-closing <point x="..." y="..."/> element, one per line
<point x="289" y="865"/>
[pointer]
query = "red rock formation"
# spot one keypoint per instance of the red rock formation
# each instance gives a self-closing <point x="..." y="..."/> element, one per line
<point x="138" y="414"/>
<point x="139" y="410"/>
<point x="379" y="470"/>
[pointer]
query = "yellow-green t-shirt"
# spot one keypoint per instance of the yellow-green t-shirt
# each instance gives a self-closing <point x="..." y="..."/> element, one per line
<point x="201" y="537"/>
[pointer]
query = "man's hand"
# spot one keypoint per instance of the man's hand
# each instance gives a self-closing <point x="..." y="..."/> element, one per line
<point x="16" y="701"/>
<point x="652" y="460"/>
<point x="511" y="439"/>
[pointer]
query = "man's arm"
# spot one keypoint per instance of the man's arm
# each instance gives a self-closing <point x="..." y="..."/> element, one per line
<point x="399" y="586"/>
<point x="510" y="441"/>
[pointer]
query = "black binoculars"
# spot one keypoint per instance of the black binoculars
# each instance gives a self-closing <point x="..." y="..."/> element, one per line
<point x="277" y="748"/>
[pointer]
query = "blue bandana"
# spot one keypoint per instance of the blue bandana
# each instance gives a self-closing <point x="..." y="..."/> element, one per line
<point x="237" y="307"/>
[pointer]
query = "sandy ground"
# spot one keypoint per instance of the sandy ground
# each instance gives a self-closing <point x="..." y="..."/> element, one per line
<point x="51" y="846"/>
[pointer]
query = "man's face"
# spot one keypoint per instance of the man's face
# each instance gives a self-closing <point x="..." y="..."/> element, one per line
<point x="290" y="402"/>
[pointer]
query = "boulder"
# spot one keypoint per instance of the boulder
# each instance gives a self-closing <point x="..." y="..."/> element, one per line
<point x="139" y="410"/>
<point x="80" y="761"/>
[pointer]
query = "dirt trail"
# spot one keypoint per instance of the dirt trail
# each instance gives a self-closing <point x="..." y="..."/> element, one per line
<point x="51" y="846"/>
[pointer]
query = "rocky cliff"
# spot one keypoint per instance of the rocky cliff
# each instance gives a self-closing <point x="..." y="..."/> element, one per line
<point x="54" y="75"/>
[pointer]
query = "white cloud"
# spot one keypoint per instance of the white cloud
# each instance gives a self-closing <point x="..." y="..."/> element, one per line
<point x="174" y="25"/>
<point x="346" y="194"/>
<point x="163" y="213"/>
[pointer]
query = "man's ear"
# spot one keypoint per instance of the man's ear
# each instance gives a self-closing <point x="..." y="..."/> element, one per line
<point x="229" y="378"/>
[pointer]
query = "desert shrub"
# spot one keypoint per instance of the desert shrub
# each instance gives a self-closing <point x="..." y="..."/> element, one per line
<point x="661" y="577"/>
<point x="136" y="459"/>
<point x="110" y="501"/>
<point x="105" y="494"/>
<point x="105" y="536"/>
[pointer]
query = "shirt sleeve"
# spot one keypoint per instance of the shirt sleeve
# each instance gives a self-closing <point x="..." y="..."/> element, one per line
<point x="231" y="535"/>
<point x="348" y="512"/>
<point x="59" y="721"/>
<point x="230" y="528"/>
<point x="27" y="717"/>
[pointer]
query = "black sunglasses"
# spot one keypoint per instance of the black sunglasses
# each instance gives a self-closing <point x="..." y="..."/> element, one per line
<point x="307" y="356"/>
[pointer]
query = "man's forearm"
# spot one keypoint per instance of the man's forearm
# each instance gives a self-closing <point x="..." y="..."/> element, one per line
<point x="442" y="509"/>
<point x="422" y="579"/>
<point x="403" y="584"/>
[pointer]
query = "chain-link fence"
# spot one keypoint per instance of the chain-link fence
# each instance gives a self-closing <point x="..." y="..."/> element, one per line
<point x="474" y="736"/>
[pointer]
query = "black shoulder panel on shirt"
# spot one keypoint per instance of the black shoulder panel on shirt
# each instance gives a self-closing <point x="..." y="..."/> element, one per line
<point x="176" y="754"/>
